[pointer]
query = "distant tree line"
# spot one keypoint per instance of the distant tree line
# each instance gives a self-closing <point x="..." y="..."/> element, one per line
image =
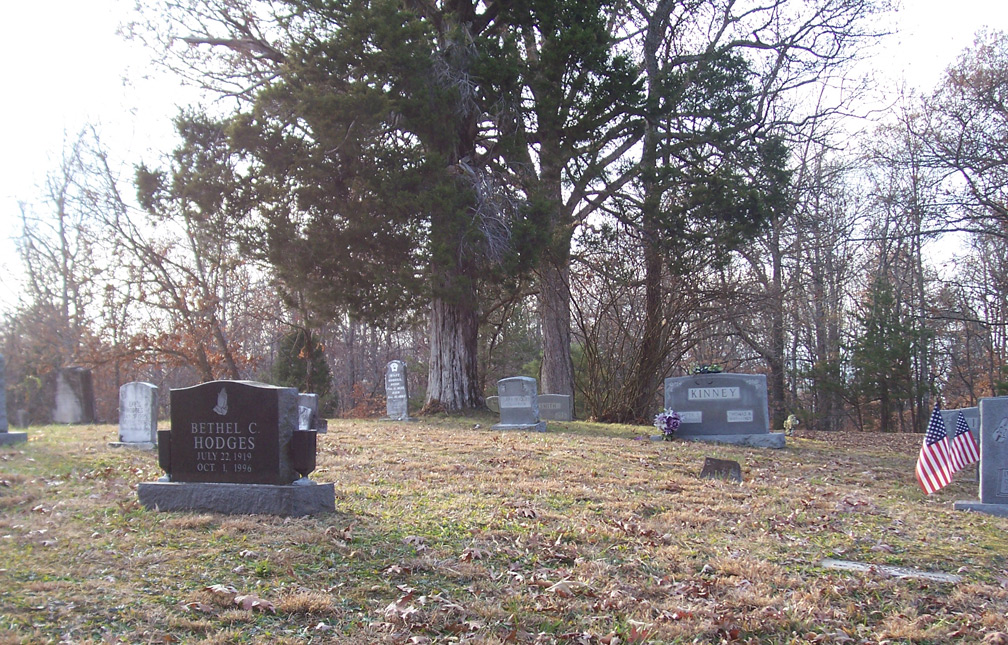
<point x="598" y="194"/>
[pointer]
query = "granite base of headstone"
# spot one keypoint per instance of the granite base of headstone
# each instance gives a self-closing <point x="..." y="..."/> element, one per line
<point x="555" y="407"/>
<point x="993" y="459"/>
<point x="723" y="408"/>
<point x="518" y="399"/>
<point x="6" y="436"/>
<point x="721" y="469"/>
<point x="138" y="412"/>
<point x="234" y="447"/>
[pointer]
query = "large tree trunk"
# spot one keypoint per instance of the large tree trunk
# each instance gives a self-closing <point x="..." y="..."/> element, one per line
<point x="452" y="379"/>
<point x="775" y="361"/>
<point x="652" y="346"/>
<point x="555" y="312"/>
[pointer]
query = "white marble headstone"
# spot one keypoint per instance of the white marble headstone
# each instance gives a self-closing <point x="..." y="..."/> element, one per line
<point x="138" y="410"/>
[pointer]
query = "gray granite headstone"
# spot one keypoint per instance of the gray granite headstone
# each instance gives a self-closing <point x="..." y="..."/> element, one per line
<point x="555" y="407"/>
<point x="235" y="447"/>
<point x="6" y="437"/>
<point x="723" y="407"/>
<point x="518" y="399"/>
<point x="138" y="413"/>
<point x="396" y="391"/>
<point x="972" y="416"/>
<point x="72" y="394"/>
<point x="308" y="416"/>
<point x="993" y="459"/>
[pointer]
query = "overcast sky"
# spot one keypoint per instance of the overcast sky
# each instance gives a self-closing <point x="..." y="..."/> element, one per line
<point x="66" y="67"/>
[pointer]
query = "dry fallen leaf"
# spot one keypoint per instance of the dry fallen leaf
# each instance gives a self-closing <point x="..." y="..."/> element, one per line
<point x="562" y="589"/>
<point x="197" y="606"/>
<point x="222" y="590"/>
<point x="254" y="603"/>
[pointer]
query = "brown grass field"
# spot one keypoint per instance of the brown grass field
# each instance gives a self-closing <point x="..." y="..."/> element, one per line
<point x="446" y="531"/>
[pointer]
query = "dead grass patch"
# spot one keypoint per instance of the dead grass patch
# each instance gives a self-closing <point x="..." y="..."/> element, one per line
<point x="446" y="533"/>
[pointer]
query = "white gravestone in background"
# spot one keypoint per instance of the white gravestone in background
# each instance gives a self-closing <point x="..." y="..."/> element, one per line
<point x="396" y="391"/>
<point x="138" y="411"/>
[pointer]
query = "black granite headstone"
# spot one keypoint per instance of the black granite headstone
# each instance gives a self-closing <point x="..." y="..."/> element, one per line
<point x="233" y="432"/>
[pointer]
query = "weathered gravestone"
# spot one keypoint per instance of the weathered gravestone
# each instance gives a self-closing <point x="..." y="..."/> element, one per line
<point x="308" y="416"/>
<point x="555" y="407"/>
<point x="725" y="407"/>
<point x="234" y="447"/>
<point x="993" y="459"/>
<point x="721" y="469"/>
<point x="396" y="391"/>
<point x="71" y="392"/>
<point x="138" y="413"/>
<point x="493" y="404"/>
<point x="519" y="404"/>
<point x="6" y="437"/>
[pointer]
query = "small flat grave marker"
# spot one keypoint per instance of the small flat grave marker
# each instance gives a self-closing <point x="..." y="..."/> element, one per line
<point x="889" y="570"/>
<point x="721" y="469"/>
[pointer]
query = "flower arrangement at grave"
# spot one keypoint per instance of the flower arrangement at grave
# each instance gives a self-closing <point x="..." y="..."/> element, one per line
<point x="668" y="422"/>
<point x="790" y="424"/>
<point x="706" y="368"/>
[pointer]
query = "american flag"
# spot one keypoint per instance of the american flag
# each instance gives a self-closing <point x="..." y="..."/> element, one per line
<point x="934" y="468"/>
<point x="963" y="448"/>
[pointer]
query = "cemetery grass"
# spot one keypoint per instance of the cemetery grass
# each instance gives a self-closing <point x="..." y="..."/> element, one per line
<point x="448" y="531"/>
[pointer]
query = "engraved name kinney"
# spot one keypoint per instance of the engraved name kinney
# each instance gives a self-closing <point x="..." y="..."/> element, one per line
<point x="712" y="393"/>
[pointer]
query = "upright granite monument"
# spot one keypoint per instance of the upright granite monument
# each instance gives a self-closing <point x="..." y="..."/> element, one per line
<point x="235" y="447"/>
<point x="138" y="414"/>
<point x="71" y="391"/>
<point x="396" y="391"/>
<point x="519" y="404"/>
<point x="993" y="459"/>
<point x="723" y="407"/>
<point x="6" y="437"/>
